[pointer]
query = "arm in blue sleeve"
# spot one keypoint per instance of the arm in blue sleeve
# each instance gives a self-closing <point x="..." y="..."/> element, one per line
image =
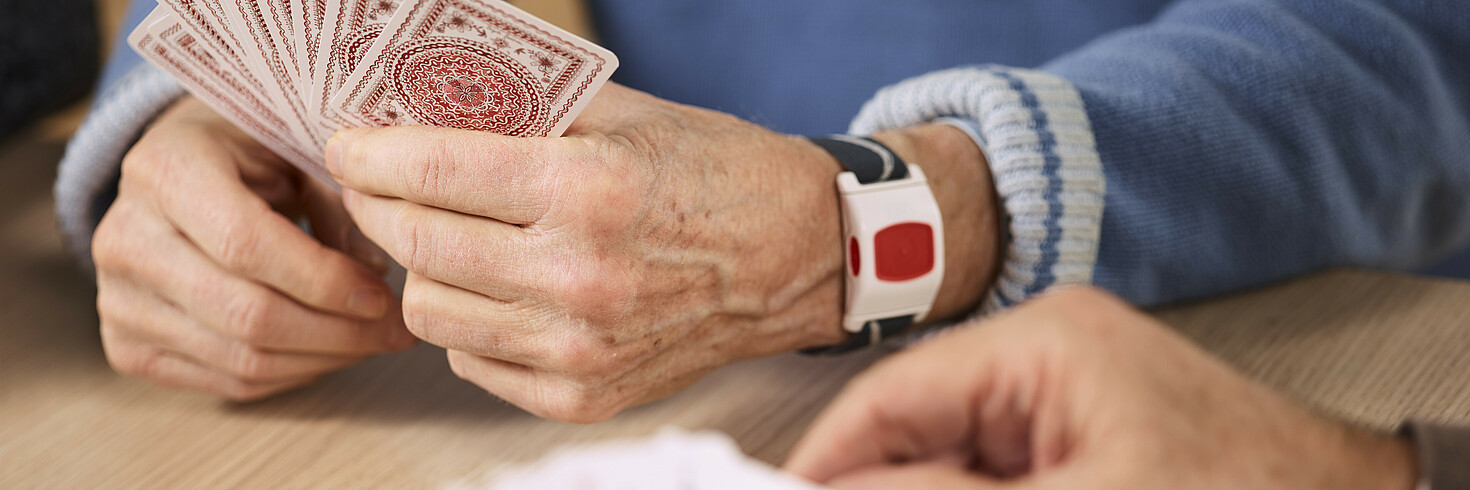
<point x="122" y="59"/>
<point x="130" y="94"/>
<point x="1239" y="141"/>
<point x="1245" y="141"/>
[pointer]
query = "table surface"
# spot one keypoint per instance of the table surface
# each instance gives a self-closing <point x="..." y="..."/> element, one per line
<point x="1370" y="347"/>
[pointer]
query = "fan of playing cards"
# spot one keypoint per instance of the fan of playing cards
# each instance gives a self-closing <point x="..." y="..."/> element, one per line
<point x="292" y="72"/>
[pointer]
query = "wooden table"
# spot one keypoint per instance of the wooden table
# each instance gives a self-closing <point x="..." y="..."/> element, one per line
<point x="1370" y="347"/>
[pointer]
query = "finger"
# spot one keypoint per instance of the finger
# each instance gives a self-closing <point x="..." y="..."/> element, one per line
<point x="491" y="258"/>
<point x="334" y="227"/>
<point x="241" y="232"/>
<point x="484" y="174"/>
<point x="461" y="320"/>
<point x="146" y="317"/>
<point x="1005" y="421"/>
<point x="538" y="392"/>
<point x="934" y="476"/>
<point x="908" y="408"/>
<point x="170" y="369"/>
<point x="251" y="313"/>
<point x="516" y="384"/>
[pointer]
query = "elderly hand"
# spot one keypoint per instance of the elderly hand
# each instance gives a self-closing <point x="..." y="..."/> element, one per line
<point x="578" y="276"/>
<point x="1075" y="390"/>
<point x="205" y="282"/>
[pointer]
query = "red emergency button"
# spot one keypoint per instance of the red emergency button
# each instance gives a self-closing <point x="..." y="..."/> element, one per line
<point x="903" y="252"/>
<point x="854" y="258"/>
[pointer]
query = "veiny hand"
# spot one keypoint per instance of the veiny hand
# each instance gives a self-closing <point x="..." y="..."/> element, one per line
<point x="1075" y="390"/>
<point x="205" y="282"/>
<point x="578" y="276"/>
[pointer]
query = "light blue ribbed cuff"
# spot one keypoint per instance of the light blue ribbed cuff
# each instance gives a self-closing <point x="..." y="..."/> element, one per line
<point x="1035" y="133"/>
<point x="95" y="153"/>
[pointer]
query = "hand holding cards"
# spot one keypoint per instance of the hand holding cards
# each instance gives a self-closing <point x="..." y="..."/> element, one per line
<point x="292" y="72"/>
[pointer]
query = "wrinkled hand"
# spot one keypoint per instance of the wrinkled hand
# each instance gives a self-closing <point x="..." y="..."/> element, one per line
<point x="577" y="276"/>
<point x="205" y="282"/>
<point x="1076" y="391"/>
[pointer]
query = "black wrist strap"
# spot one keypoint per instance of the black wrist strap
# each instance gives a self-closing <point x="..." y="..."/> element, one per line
<point x="871" y="162"/>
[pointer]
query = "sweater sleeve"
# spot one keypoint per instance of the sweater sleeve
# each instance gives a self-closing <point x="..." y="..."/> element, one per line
<point x="1241" y="141"/>
<point x="130" y="95"/>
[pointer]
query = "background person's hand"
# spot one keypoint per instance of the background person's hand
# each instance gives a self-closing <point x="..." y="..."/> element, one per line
<point x="577" y="276"/>
<point x="1075" y="390"/>
<point x="204" y="280"/>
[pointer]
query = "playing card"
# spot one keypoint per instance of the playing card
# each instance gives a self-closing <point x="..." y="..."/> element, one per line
<point x="349" y="28"/>
<point x="275" y="67"/>
<point x="171" y="45"/>
<point x="310" y="17"/>
<point x="278" y="15"/>
<point x="259" y="43"/>
<point x="221" y="25"/>
<point x="205" y="19"/>
<point x="473" y="64"/>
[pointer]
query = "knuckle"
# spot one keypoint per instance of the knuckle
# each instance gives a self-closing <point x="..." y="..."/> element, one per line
<point x="438" y="168"/>
<point x="577" y="356"/>
<point x="598" y="186"/>
<point x="598" y="293"/>
<point x="239" y="245"/>
<point x="250" y="365"/>
<point x="109" y="305"/>
<point x="143" y="164"/>
<point x="248" y="319"/>
<point x="416" y="244"/>
<point x="135" y="361"/>
<point x="328" y="283"/>
<point x="109" y="241"/>
<point x="578" y="404"/>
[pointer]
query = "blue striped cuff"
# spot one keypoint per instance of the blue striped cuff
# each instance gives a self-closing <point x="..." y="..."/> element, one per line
<point x="1035" y="133"/>
<point x="94" y="155"/>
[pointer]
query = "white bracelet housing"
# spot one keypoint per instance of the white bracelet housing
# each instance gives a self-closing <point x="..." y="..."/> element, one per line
<point x="894" y="236"/>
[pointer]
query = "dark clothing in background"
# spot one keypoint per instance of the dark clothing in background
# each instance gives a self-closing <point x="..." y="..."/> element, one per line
<point x="48" y="57"/>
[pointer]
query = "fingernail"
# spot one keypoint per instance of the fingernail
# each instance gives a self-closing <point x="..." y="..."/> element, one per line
<point x="366" y="251"/>
<point x="368" y="303"/>
<point x="334" y="157"/>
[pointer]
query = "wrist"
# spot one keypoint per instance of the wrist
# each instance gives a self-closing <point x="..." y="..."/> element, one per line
<point x="959" y="177"/>
<point x="804" y="305"/>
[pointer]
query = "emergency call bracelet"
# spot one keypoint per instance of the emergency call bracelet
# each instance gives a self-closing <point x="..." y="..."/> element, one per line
<point x="894" y="238"/>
